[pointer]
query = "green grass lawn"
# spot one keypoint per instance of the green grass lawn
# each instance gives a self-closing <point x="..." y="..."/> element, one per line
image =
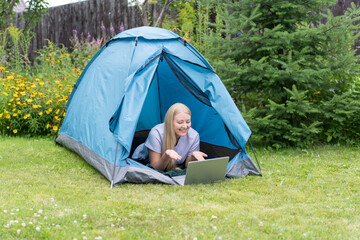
<point x="48" y="192"/>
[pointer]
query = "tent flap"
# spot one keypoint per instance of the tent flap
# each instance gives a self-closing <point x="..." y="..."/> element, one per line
<point x="123" y="123"/>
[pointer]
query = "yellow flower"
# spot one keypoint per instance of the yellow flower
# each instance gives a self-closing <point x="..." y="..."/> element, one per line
<point x="5" y="94"/>
<point x="49" y="101"/>
<point x="318" y="92"/>
<point x="29" y="100"/>
<point x="19" y="111"/>
<point x="8" y="127"/>
<point x="40" y="113"/>
<point x="8" y="116"/>
<point x="57" y="111"/>
<point x="41" y="83"/>
<point x="2" y="68"/>
<point x="15" y="114"/>
<point x="15" y="131"/>
<point x="47" y="126"/>
<point x="1" y="114"/>
<point x="5" y="111"/>
<point x="55" y="128"/>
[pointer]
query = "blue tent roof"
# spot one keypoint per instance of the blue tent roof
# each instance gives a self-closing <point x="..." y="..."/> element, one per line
<point x="129" y="85"/>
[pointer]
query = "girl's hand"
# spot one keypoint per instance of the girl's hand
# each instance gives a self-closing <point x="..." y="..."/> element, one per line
<point x="198" y="156"/>
<point x="172" y="154"/>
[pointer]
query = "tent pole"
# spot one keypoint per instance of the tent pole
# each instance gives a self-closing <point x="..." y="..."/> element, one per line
<point x="113" y="176"/>
<point x="255" y="157"/>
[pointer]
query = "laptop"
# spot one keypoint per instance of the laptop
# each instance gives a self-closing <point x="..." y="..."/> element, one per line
<point x="208" y="171"/>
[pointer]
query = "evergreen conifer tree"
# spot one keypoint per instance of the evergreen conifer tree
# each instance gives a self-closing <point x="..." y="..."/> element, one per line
<point x="282" y="61"/>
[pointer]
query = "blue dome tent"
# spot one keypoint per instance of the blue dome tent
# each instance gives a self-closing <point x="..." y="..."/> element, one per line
<point x="127" y="88"/>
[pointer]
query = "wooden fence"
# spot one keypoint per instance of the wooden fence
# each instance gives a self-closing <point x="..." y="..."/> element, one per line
<point x="86" y="18"/>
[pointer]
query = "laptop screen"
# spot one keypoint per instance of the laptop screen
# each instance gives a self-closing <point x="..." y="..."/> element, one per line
<point x="210" y="170"/>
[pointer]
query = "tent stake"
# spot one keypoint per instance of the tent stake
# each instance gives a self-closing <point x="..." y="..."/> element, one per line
<point x="256" y="157"/>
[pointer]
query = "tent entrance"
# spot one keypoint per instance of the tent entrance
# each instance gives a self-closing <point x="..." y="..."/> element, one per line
<point x="172" y="84"/>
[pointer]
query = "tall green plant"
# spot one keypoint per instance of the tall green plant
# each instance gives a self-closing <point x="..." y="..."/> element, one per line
<point x="192" y="22"/>
<point x="16" y="49"/>
<point x="262" y="49"/>
<point x="15" y="54"/>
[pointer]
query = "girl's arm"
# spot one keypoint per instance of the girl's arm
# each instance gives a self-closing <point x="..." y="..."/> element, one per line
<point x="159" y="161"/>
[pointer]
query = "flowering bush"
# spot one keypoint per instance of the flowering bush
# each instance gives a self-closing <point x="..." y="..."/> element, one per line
<point x="33" y="99"/>
<point x="84" y="48"/>
<point x="32" y="106"/>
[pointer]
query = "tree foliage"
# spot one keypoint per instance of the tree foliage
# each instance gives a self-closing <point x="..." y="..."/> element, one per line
<point x="286" y="62"/>
<point x="34" y="11"/>
<point x="143" y="6"/>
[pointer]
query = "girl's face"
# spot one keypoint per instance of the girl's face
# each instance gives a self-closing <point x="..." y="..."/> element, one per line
<point x="181" y="124"/>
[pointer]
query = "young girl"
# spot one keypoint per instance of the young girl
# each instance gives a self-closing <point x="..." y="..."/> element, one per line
<point x="172" y="143"/>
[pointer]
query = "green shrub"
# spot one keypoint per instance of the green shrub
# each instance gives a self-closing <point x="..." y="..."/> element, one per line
<point x="291" y="123"/>
<point x="341" y="117"/>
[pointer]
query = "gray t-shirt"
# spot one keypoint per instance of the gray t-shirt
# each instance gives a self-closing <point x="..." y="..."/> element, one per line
<point x="185" y="146"/>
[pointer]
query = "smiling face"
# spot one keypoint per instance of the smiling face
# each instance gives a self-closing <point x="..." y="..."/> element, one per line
<point x="181" y="124"/>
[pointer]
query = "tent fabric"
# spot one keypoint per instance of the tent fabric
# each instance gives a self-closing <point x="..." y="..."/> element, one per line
<point x="127" y="88"/>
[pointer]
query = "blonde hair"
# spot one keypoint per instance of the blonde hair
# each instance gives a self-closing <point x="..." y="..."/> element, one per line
<point x="169" y="138"/>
